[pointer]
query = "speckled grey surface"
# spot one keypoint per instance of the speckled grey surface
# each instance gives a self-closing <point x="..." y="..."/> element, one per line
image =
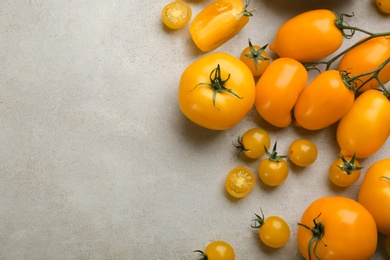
<point x="97" y="161"/>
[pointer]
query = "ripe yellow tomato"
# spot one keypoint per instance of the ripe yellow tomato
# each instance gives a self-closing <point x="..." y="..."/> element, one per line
<point x="366" y="126"/>
<point x="239" y="182"/>
<point x="176" y="14"/>
<point x="302" y="152"/>
<point x="256" y="58"/>
<point x="217" y="91"/>
<point x="309" y="36"/>
<point x="374" y="194"/>
<point x="218" y="250"/>
<point x="253" y="141"/>
<point x="336" y="227"/>
<point x="344" y="171"/>
<point x="278" y="89"/>
<point x="383" y="5"/>
<point x="218" y="23"/>
<point x="323" y="101"/>
<point x="366" y="57"/>
<point x="273" y="170"/>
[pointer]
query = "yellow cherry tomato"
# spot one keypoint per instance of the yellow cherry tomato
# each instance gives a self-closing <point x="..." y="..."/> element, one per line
<point x="253" y="141"/>
<point x="336" y="227"/>
<point x="274" y="231"/>
<point x="302" y="152"/>
<point x="374" y="194"/>
<point x="366" y="126"/>
<point x="217" y="91"/>
<point x="273" y="171"/>
<point x="309" y="36"/>
<point x="366" y="57"/>
<point x="323" y="101"/>
<point x="383" y="5"/>
<point x="344" y="171"/>
<point x="218" y="23"/>
<point x="256" y="58"/>
<point x="278" y="89"/>
<point x="239" y="182"/>
<point x="387" y="245"/>
<point x="218" y="250"/>
<point x="176" y="14"/>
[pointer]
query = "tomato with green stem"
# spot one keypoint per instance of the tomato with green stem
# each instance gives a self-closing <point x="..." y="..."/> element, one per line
<point x="256" y="58"/>
<point x="217" y="250"/>
<point x="252" y="143"/>
<point x="273" y="171"/>
<point x="274" y="231"/>
<point x="336" y="227"/>
<point x="344" y="171"/>
<point x="302" y="152"/>
<point x="239" y="182"/>
<point x="176" y="14"/>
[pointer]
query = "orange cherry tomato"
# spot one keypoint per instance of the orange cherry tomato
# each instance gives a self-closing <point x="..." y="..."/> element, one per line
<point x="302" y="152"/>
<point x="384" y="6"/>
<point x="323" y="101"/>
<point x="176" y="14"/>
<point x="366" y="126"/>
<point x="278" y="89"/>
<point x="256" y="58"/>
<point x="239" y="182"/>
<point x="374" y="194"/>
<point x="366" y="57"/>
<point x="218" y="250"/>
<point x="344" y="171"/>
<point x="219" y="22"/>
<point x="253" y="141"/>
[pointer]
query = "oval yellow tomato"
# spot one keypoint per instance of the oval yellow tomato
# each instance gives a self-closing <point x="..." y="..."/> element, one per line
<point x="374" y="194"/>
<point x="366" y="126"/>
<point x="217" y="91"/>
<point x="218" y="23"/>
<point x="323" y="101"/>
<point x="176" y="14"/>
<point x="309" y="36"/>
<point x="278" y="89"/>
<point x="337" y="228"/>
<point x="367" y="57"/>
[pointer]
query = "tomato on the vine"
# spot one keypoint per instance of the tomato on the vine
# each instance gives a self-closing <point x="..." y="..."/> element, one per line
<point x="176" y="14"/>
<point x="302" y="152"/>
<point x="273" y="231"/>
<point x="384" y="5"/>
<point x="374" y="194"/>
<point x="239" y="182"/>
<point x="278" y="89"/>
<point x="218" y="250"/>
<point x="344" y="171"/>
<point x="253" y="141"/>
<point x="217" y="91"/>
<point x="336" y="227"/>
<point x="273" y="170"/>
<point x="256" y="58"/>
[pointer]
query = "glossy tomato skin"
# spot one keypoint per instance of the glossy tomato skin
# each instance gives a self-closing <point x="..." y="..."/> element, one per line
<point x="323" y="101"/>
<point x="374" y="194"/>
<point x="309" y="36"/>
<point x="219" y="250"/>
<point x="384" y="6"/>
<point x="274" y="232"/>
<point x="253" y="141"/>
<point x="239" y="182"/>
<point x="340" y="177"/>
<point x="350" y="230"/>
<point x="217" y="23"/>
<point x="196" y="98"/>
<point x="273" y="173"/>
<point x="366" y="126"/>
<point x="366" y="57"/>
<point x="278" y="89"/>
<point x="302" y="152"/>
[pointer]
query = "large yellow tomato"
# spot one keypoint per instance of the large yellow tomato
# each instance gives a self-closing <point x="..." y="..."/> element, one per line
<point x="366" y="126"/>
<point x="309" y="36"/>
<point x="218" y="23"/>
<point x="367" y="57"/>
<point x="217" y="91"/>
<point x="337" y="228"/>
<point x="374" y="194"/>
<point x="277" y="90"/>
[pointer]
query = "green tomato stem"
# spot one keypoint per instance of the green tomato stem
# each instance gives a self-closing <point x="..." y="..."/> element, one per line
<point x="318" y="232"/>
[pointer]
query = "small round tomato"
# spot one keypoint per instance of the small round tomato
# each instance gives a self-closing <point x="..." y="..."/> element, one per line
<point x="176" y="14"/>
<point x="337" y="227"/>
<point x="374" y="194"/>
<point x="387" y="245"/>
<point x="274" y="231"/>
<point x="366" y="126"/>
<point x="273" y="170"/>
<point x="344" y="171"/>
<point x="239" y="182"/>
<point x="256" y="58"/>
<point x="302" y="152"/>
<point x="384" y="5"/>
<point x="216" y="91"/>
<point x="278" y="89"/>
<point x="366" y="57"/>
<point x="309" y="36"/>
<point x="253" y="141"/>
<point x="218" y="250"/>
<point x="323" y="101"/>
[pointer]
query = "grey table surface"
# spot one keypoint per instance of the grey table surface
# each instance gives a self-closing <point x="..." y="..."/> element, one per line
<point x="97" y="160"/>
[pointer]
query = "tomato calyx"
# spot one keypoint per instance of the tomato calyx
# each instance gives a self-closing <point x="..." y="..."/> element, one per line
<point x="240" y="146"/>
<point x="273" y="156"/>
<point x="246" y="12"/>
<point x="205" y="257"/>
<point x="318" y="232"/>
<point x="259" y="220"/>
<point x="349" y="166"/>
<point x="217" y="84"/>
<point x="385" y="177"/>
<point x="256" y="55"/>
